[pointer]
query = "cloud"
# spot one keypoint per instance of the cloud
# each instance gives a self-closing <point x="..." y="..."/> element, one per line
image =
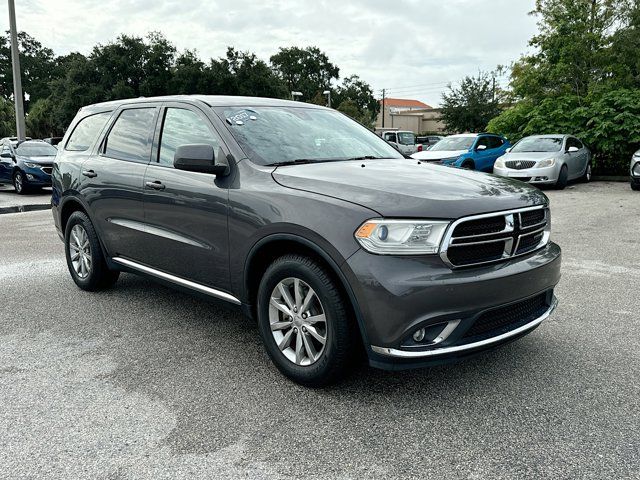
<point x="390" y="44"/>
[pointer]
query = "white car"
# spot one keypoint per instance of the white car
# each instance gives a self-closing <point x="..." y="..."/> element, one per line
<point x="546" y="160"/>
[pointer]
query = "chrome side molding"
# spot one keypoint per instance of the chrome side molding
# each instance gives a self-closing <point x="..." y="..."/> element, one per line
<point x="394" y="352"/>
<point x="177" y="280"/>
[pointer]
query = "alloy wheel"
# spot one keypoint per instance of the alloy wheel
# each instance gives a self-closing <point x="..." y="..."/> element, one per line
<point x="17" y="182"/>
<point x="298" y="322"/>
<point x="80" y="251"/>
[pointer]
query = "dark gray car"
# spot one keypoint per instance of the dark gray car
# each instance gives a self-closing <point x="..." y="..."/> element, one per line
<point x="313" y="225"/>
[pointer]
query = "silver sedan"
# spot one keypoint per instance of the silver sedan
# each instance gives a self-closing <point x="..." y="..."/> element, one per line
<point x="635" y="171"/>
<point x="546" y="160"/>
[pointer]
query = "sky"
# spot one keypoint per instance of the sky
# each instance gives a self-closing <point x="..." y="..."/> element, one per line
<point x="412" y="48"/>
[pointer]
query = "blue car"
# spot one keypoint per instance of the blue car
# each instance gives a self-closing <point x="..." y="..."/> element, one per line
<point x="26" y="165"/>
<point x="474" y="151"/>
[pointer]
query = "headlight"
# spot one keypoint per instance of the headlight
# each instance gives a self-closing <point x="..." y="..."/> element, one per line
<point x="549" y="162"/>
<point x="31" y="165"/>
<point x="636" y="169"/>
<point x="401" y="237"/>
<point x="637" y="154"/>
<point x="499" y="163"/>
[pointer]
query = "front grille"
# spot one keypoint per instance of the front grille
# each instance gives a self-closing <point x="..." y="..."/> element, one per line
<point x="47" y="170"/>
<point x="520" y="164"/>
<point x="522" y="179"/>
<point x="533" y="217"/>
<point x="480" y="227"/>
<point x="509" y="317"/>
<point x="496" y="236"/>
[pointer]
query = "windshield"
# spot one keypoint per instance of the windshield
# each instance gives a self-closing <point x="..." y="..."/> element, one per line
<point x="538" y="144"/>
<point x="274" y="135"/>
<point x="453" y="143"/>
<point x="40" y="149"/>
<point x="406" y="138"/>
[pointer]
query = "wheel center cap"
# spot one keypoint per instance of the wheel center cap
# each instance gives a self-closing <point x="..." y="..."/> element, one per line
<point x="298" y="321"/>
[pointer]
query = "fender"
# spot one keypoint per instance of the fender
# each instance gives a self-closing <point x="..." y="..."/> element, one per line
<point x="335" y="267"/>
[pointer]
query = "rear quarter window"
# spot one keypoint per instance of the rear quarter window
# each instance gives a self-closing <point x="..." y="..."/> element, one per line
<point x="86" y="132"/>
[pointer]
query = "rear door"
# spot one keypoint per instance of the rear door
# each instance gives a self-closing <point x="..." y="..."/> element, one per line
<point x="186" y="212"/>
<point x="113" y="179"/>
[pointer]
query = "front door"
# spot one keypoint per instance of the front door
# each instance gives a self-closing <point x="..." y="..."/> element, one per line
<point x="186" y="212"/>
<point x="6" y="164"/>
<point x="113" y="180"/>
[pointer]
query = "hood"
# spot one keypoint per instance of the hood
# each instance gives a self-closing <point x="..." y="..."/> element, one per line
<point x="430" y="155"/>
<point x="404" y="188"/>
<point x="43" y="160"/>
<point x="529" y="155"/>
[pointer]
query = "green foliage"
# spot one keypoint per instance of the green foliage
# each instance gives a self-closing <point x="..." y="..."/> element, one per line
<point x="583" y="79"/>
<point x="469" y="107"/>
<point x="133" y="66"/>
<point x="307" y="70"/>
<point x="7" y="118"/>
<point x="40" y="122"/>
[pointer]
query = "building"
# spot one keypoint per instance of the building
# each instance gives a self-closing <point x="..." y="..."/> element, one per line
<point x="413" y="115"/>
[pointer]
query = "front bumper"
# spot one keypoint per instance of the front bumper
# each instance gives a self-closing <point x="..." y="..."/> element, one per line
<point x="399" y="295"/>
<point x="37" y="177"/>
<point x="538" y="176"/>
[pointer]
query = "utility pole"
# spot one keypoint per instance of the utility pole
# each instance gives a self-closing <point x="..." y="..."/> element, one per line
<point x="17" y="80"/>
<point x="383" y="102"/>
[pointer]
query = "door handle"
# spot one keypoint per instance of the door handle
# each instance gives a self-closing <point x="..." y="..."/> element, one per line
<point x="157" y="185"/>
<point x="89" y="173"/>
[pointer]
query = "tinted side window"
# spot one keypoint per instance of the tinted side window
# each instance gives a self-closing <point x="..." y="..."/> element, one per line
<point x="484" y="141"/>
<point x="495" y="142"/>
<point x="183" y="127"/>
<point x="130" y="137"/>
<point x="573" y="142"/>
<point x="86" y="132"/>
<point x="391" y="137"/>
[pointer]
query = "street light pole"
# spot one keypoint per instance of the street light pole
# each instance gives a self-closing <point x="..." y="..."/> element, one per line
<point x="17" y="80"/>
<point x="328" y="94"/>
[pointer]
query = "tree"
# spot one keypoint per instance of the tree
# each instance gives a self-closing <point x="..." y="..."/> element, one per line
<point x="582" y="79"/>
<point x="469" y="107"/>
<point x="40" y="122"/>
<point x="307" y="70"/>
<point x="7" y="118"/>
<point x="355" y="98"/>
<point x="36" y="62"/>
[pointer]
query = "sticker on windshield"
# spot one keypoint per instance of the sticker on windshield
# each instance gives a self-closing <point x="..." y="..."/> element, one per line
<point x="242" y="116"/>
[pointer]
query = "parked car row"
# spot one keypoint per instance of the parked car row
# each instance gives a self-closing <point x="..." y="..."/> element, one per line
<point x="26" y="165"/>
<point x="539" y="159"/>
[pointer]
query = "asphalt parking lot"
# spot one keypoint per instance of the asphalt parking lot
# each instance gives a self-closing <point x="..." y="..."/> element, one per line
<point x="145" y="382"/>
<point x="10" y="201"/>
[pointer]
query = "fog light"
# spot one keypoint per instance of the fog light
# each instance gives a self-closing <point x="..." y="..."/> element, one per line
<point x="418" y="335"/>
<point x="30" y="177"/>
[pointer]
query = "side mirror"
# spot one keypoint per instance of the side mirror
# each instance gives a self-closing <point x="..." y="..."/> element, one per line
<point x="572" y="149"/>
<point x="481" y="147"/>
<point x="198" y="158"/>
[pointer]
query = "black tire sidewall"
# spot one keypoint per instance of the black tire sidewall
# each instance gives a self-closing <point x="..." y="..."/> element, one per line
<point x="324" y="370"/>
<point x="562" y="178"/>
<point x="99" y="271"/>
<point x="23" y="185"/>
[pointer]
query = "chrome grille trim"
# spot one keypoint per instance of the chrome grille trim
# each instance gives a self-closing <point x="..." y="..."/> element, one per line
<point x="520" y="164"/>
<point x="511" y="235"/>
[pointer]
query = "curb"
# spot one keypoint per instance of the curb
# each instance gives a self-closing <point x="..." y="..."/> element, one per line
<point x="609" y="178"/>
<point x="25" y="208"/>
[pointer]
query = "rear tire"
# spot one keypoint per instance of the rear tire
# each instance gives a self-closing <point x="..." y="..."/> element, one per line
<point x="296" y="347"/>
<point x="562" y="178"/>
<point x="586" y="178"/>
<point x="85" y="260"/>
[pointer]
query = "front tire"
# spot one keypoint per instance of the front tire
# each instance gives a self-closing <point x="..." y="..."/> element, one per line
<point x="635" y="185"/>
<point x="303" y="321"/>
<point x="85" y="260"/>
<point x="562" y="178"/>
<point x="468" y="165"/>
<point x="19" y="183"/>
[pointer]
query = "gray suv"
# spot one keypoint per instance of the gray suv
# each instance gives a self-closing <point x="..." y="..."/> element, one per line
<point x="313" y="225"/>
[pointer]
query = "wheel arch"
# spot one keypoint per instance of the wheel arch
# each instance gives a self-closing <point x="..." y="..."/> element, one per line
<point x="269" y="248"/>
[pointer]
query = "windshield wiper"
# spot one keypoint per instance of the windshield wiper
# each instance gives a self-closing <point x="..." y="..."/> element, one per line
<point x="366" y="157"/>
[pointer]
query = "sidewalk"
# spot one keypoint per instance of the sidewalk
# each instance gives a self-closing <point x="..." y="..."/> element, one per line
<point x="10" y="202"/>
